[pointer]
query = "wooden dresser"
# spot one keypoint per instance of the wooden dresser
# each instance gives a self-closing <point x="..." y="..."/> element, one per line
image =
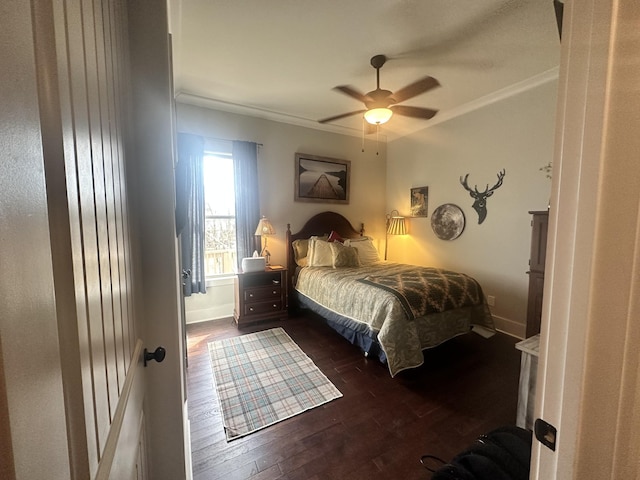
<point x="539" y="225"/>
<point x="260" y="295"/>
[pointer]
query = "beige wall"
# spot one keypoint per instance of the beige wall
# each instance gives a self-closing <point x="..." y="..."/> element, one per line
<point x="515" y="134"/>
<point x="498" y="136"/>
<point x="276" y="158"/>
<point x="217" y="303"/>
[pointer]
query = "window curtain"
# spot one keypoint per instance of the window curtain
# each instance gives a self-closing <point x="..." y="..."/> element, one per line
<point x="245" y="172"/>
<point x="190" y="212"/>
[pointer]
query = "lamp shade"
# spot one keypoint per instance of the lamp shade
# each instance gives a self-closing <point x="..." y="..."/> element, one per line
<point x="378" y="115"/>
<point x="397" y="226"/>
<point x="265" y="227"/>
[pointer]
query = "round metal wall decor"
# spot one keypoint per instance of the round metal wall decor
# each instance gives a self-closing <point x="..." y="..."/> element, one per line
<point x="448" y="221"/>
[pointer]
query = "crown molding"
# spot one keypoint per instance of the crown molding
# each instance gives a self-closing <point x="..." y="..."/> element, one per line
<point x="497" y="96"/>
<point x="443" y="116"/>
<point x="200" y="101"/>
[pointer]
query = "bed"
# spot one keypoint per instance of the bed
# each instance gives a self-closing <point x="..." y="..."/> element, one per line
<point x="391" y="311"/>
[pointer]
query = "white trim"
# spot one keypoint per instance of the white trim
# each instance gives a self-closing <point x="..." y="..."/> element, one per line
<point x="215" y="313"/>
<point x="212" y="305"/>
<point x="494" y="97"/>
<point x="118" y="459"/>
<point x="510" y="327"/>
<point x="200" y="101"/>
<point x="443" y="116"/>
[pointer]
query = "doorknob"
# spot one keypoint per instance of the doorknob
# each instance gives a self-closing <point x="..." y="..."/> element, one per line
<point x="158" y="355"/>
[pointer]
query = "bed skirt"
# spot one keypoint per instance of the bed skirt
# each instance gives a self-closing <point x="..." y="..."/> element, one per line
<point x="357" y="333"/>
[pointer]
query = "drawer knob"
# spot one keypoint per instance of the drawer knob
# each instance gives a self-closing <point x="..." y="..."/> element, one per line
<point x="275" y="292"/>
<point x="275" y="305"/>
<point x="251" y="309"/>
<point x="251" y="295"/>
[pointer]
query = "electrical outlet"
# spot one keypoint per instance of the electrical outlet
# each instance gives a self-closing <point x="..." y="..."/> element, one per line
<point x="491" y="300"/>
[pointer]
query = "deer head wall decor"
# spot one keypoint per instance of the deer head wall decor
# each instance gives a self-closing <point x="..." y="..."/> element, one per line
<point x="480" y="203"/>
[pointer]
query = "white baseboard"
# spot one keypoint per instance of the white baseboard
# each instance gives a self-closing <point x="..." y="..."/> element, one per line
<point x="212" y="313"/>
<point x="510" y="327"/>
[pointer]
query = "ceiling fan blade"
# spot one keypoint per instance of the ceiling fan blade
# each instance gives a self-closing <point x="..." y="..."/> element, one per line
<point x="416" y="112"/>
<point x="338" y="117"/>
<point x="416" y="88"/>
<point x="347" y="90"/>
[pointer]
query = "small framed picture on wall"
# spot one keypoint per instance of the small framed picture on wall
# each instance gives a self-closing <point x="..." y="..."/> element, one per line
<point x="419" y="201"/>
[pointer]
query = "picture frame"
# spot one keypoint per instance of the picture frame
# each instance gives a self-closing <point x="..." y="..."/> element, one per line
<point x="321" y="179"/>
<point x="419" y="201"/>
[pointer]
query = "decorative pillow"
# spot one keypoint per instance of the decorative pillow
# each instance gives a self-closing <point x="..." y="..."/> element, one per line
<point x="344" y="256"/>
<point x="319" y="254"/>
<point x="301" y="250"/>
<point x="367" y="252"/>
<point x="335" y="237"/>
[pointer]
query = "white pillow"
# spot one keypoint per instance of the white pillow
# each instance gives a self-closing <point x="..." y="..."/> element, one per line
<point x="367" y="252"/>
<point x="319" y="254"/>
<point x="301" y="250"/>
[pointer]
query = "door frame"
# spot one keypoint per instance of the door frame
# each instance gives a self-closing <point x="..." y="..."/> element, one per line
<point x="588" y="352"/>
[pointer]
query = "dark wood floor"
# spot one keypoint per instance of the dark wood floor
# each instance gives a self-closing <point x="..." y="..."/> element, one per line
<point x="378" y="429"/>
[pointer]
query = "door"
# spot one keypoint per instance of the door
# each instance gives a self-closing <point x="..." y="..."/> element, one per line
<point x="587" y="377"/>
<point x="89" y="269"/>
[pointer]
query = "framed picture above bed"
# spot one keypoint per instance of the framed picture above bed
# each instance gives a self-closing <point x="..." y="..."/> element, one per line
<point x="321" y="179"/>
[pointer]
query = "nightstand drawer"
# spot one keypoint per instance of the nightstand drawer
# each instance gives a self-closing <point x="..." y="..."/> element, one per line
<point x="262" y="293"/>
<point x="262" y="307"/>
<point x="260" y="296"/>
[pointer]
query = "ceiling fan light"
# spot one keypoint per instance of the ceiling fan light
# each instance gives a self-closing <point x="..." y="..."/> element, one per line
<point x="378" y="116"/>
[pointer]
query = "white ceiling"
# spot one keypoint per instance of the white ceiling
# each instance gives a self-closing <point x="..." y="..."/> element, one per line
<point x="280" y="59"/>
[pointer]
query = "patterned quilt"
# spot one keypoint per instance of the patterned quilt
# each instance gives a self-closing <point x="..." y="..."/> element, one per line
<point x="431" y="312"/>
<point x="425" y="290"/>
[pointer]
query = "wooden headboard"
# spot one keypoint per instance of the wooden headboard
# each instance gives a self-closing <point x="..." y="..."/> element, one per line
<point x="320" y="224"/>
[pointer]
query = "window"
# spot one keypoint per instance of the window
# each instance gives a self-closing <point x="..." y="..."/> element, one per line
<point x="220" y="215"/>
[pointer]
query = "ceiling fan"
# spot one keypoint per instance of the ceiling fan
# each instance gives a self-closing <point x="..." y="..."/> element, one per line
<point x="382" y="104"/>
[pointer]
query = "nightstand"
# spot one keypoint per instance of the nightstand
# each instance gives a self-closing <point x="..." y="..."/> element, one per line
<point x="260" y="295"/>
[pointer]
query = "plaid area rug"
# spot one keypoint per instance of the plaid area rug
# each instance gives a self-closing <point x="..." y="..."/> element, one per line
<point x="263" y="378"/>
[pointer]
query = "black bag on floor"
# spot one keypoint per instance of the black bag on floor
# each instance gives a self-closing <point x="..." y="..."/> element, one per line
<point x="502" y="454"/>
